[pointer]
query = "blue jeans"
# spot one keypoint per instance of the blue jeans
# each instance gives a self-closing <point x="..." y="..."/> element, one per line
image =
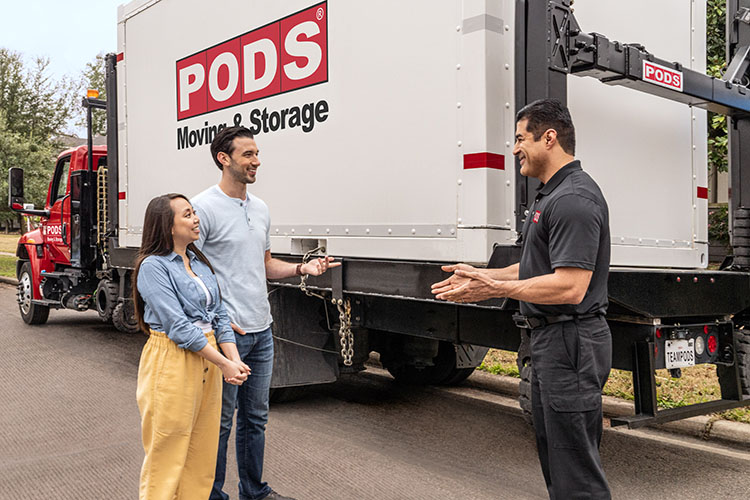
<point x="251" y="401"/>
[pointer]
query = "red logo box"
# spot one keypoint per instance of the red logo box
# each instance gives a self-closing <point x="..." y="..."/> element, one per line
<point x="288" y="54"/>
<point x="661" y="75"/>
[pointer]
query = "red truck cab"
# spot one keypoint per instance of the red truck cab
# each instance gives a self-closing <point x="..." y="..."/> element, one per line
<point x="53" y="269"/>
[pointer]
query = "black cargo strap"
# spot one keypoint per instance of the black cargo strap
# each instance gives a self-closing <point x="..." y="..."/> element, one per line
<point x="532" y="322"/>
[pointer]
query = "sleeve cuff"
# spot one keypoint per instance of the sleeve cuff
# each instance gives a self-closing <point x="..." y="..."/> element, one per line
<point x="197" y="344"/>
<point x="574" y="263"/>
<point x="226" y="337"/>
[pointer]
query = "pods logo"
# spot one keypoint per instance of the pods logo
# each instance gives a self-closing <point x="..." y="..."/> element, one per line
<point x="661" y="75"/>
<point x="285" y="55"/>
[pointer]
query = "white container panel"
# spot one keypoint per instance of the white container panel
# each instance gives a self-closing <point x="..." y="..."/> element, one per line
<point x="411" y="88"/>
<point x="640" y="148"/>
<point x="388" y="156"/>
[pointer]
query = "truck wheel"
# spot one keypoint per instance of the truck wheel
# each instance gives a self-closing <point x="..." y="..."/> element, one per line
<point x="743" y="360"/>
<point x="280" y="395"/>
<point x="524" y="370"/>
<point x="444" y="367"/>
<point x="123" y="317"/>
<point x="32" y="314"/>
<point x="105" y="298"/>
<point x="457" y="375"/>
<point x="742" y="340"/>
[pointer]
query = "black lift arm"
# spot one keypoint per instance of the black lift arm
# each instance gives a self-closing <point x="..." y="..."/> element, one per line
<point x="631" y="65"/>
<point x="553" y="45"/>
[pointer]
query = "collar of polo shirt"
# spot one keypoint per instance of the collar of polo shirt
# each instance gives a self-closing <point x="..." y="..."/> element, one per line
<point x="560" y="175"/>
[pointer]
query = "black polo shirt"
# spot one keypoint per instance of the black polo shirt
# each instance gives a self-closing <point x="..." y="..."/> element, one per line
<point x="568" y="226"/>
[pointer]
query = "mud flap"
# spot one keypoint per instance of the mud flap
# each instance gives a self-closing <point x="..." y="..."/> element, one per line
<point x="304" y="350"/>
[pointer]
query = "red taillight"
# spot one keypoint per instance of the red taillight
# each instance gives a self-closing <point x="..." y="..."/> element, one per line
<point x="656" y="350"/>
<point x="658" y="333"/>
<point x="713" y="344"/>
<point x="706" y="329"/>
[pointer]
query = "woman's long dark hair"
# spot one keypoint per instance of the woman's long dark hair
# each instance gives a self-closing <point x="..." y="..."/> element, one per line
<point x="157" y="240"/>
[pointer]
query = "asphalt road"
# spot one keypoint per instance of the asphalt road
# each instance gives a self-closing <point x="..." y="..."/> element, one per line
<point x="69" y="428"/>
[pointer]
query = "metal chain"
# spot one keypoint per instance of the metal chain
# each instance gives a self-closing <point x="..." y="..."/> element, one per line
<point x="303" y="278"/>
<point x="345" y="330"/>
<point x="345" y="314"/>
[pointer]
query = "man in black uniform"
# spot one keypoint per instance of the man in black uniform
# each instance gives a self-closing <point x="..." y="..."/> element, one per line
<point x="561" y="283"/>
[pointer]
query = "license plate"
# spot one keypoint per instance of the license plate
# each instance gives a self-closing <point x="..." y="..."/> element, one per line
<point x="679" y="353"/>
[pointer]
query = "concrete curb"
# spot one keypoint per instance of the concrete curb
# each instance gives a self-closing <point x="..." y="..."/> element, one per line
<point x="9" y="281"/>
<point x="703" y="427"/>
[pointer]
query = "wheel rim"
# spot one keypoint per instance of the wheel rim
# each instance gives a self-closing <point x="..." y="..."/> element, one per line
<point x="24" y="293"/>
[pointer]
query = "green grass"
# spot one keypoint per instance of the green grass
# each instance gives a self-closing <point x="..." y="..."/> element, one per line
<point x="7" y="266"/>
<point x="8" y="242"/>
<point x="698" y="384"/>
<point x="500" y="369"/>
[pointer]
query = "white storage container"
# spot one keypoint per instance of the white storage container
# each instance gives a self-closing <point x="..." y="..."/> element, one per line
<point x="398" y="122"/>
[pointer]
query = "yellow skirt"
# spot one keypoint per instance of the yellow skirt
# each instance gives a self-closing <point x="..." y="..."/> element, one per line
<point x="179" y="398"/>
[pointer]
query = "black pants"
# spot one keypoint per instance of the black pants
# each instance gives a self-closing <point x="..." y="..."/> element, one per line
<point x="570" y="364"/>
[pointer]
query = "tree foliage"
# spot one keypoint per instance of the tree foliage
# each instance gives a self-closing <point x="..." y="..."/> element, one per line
<point x="34" y="111"/>
<point x="94" y="77"/>
<point x="37" y="158"/>
<point x="33" y="104"/>
<point x="715" y="66"/>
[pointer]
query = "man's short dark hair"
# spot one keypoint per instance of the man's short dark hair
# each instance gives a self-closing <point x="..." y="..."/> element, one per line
<point x="546" y="114"/>
<point x="224" y="142"/>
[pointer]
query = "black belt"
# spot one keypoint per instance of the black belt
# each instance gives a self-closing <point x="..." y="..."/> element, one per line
<point x="532" y="322"/>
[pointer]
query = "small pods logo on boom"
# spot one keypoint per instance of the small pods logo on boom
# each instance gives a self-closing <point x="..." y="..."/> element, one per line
<point x="661" y="75"/>
<point x="285" y="55"/>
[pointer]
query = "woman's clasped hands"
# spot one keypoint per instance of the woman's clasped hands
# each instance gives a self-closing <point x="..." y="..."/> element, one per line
<point x="235" y="372"/>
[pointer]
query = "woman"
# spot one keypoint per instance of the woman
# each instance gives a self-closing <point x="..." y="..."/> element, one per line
<point x="178" y="303"/>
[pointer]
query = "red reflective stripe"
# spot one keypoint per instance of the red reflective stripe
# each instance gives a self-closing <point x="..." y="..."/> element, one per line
<point x="121" y="195"/>
<point x="484" y="160"/>
<point x="702" y="193"/>
<point x="120" y="56"/>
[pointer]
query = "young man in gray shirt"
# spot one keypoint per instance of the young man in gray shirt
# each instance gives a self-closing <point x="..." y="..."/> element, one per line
<point x="235" y="236"/>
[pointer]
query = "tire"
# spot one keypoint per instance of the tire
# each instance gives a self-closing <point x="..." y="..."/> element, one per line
<point x="524" y="370"/>
<point x="742" y="341"/>
<point x="279" y="395"/>
<point x="457" y="376"/>
<point x="743" y="361"/>
<point x="123" y="317"/>
<point x="740" y="241"/>
<point x="444" y="368"/>
<point x="32" y="314"/>
<point x="105" y="299"/>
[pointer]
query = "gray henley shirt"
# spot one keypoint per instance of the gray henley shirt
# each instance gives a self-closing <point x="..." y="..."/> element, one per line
<point x="235" y="235"/>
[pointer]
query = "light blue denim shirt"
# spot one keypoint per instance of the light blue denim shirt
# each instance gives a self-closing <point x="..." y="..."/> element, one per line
<point x="173" y="300"/>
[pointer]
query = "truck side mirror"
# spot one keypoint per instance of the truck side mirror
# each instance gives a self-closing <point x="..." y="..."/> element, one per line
<point x="15" y="188"/>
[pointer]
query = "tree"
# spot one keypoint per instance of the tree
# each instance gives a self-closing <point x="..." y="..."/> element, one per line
<point x="94" y="77"/>
<point x="35" y="110"/>
<point x="37" y="160"/>
<point x="34" y="105"/>
<point x="716" y="11"/>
